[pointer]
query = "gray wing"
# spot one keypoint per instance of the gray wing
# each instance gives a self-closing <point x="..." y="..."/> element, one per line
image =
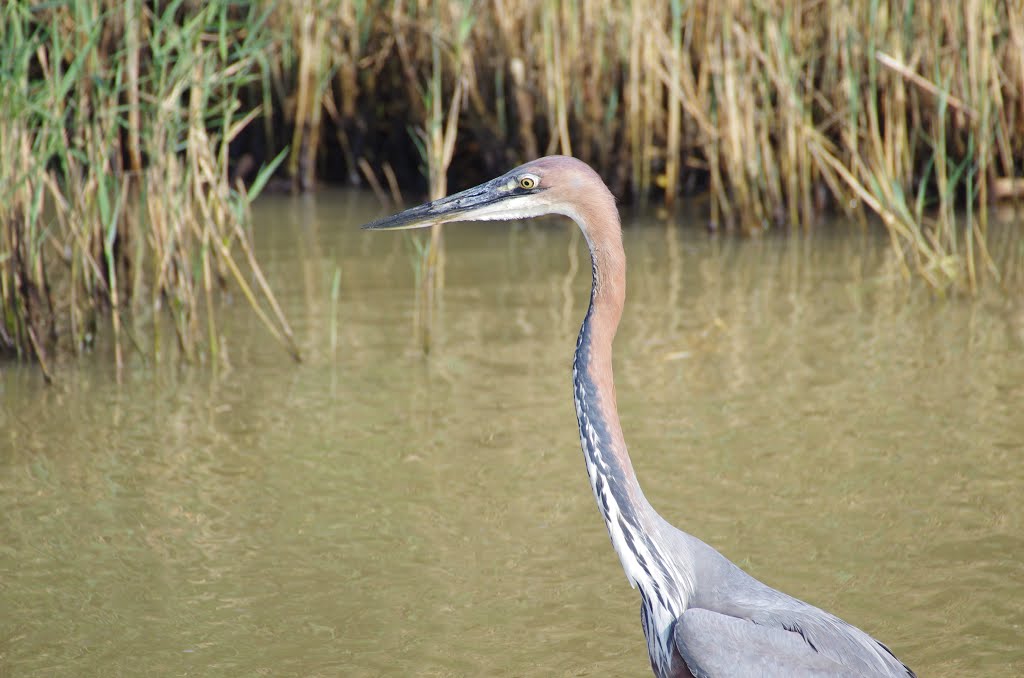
<point x="714" y="644"/>
<point x="736" y="625"/>
<point x="802" y="642"/>
<point x="775" y="634"/>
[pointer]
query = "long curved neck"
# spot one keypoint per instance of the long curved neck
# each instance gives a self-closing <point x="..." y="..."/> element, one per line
<point x="626" y="511"/>
<point x="636" y="530"/>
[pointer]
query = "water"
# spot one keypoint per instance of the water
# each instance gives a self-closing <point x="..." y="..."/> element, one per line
<point x="839" y="434"/>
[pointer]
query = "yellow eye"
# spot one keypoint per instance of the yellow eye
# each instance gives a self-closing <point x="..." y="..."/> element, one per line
<point x="527" y="182"/>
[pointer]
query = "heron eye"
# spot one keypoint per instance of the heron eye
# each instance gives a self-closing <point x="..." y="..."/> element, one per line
<point x="527" y="182"/>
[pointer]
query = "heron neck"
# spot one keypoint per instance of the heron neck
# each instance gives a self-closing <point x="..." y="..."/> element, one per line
<point x="637" y="532"/>
<point x="627" y="513"/>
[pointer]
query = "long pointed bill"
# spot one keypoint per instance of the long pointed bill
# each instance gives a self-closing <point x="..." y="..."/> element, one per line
<point x="469" y="205"/>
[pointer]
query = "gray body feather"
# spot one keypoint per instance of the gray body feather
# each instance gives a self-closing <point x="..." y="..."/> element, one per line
<point x="737" y="626"/>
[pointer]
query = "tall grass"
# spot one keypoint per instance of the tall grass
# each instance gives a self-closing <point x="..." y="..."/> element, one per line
<point x="115" y="194"/>
<point x="779" y="112"/>
<point x="118" y="193"/>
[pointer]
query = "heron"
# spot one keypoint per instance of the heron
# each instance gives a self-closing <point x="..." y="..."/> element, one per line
<point x="702" y="615"/>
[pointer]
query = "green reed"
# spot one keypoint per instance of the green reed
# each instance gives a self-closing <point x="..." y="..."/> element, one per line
<point x="117" y="197"/>
<point x="780" y="112"/>
<point x="115" y="193"/>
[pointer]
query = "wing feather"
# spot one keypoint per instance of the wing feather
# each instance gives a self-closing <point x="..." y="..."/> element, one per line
<point x="804" y="643"/>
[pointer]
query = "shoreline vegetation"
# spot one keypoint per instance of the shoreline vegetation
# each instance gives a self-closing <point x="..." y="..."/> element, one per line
<point x="134" y="135"/>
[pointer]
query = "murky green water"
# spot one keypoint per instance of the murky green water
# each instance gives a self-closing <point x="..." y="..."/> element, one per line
<point x="373" y="512"/>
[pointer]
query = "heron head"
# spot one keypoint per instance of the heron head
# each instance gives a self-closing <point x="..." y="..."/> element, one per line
<point x="550" y="185"/>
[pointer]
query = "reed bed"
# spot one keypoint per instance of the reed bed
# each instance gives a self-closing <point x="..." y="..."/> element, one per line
<point x="128" y="127"/>
<point x="115" y="195"/>
<point x="778" y="112"/>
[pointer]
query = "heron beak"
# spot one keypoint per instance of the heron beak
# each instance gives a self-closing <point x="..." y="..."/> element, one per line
<point x="465" y="206"/>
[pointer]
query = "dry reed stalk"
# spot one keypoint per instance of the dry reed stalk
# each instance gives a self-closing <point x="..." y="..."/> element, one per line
<point x="347" y="46"/>
<point x="313" y="71"/>
<point x="634" y="103"/>
<point x="555" y="81"/>
<point x="673" y="153"/>
<point x="915" y="111"/>
<point x="396" y="192"/>
<point x="89" y="231"/>
<point x="133" y="40"/>
<point x="371" y="179"/>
